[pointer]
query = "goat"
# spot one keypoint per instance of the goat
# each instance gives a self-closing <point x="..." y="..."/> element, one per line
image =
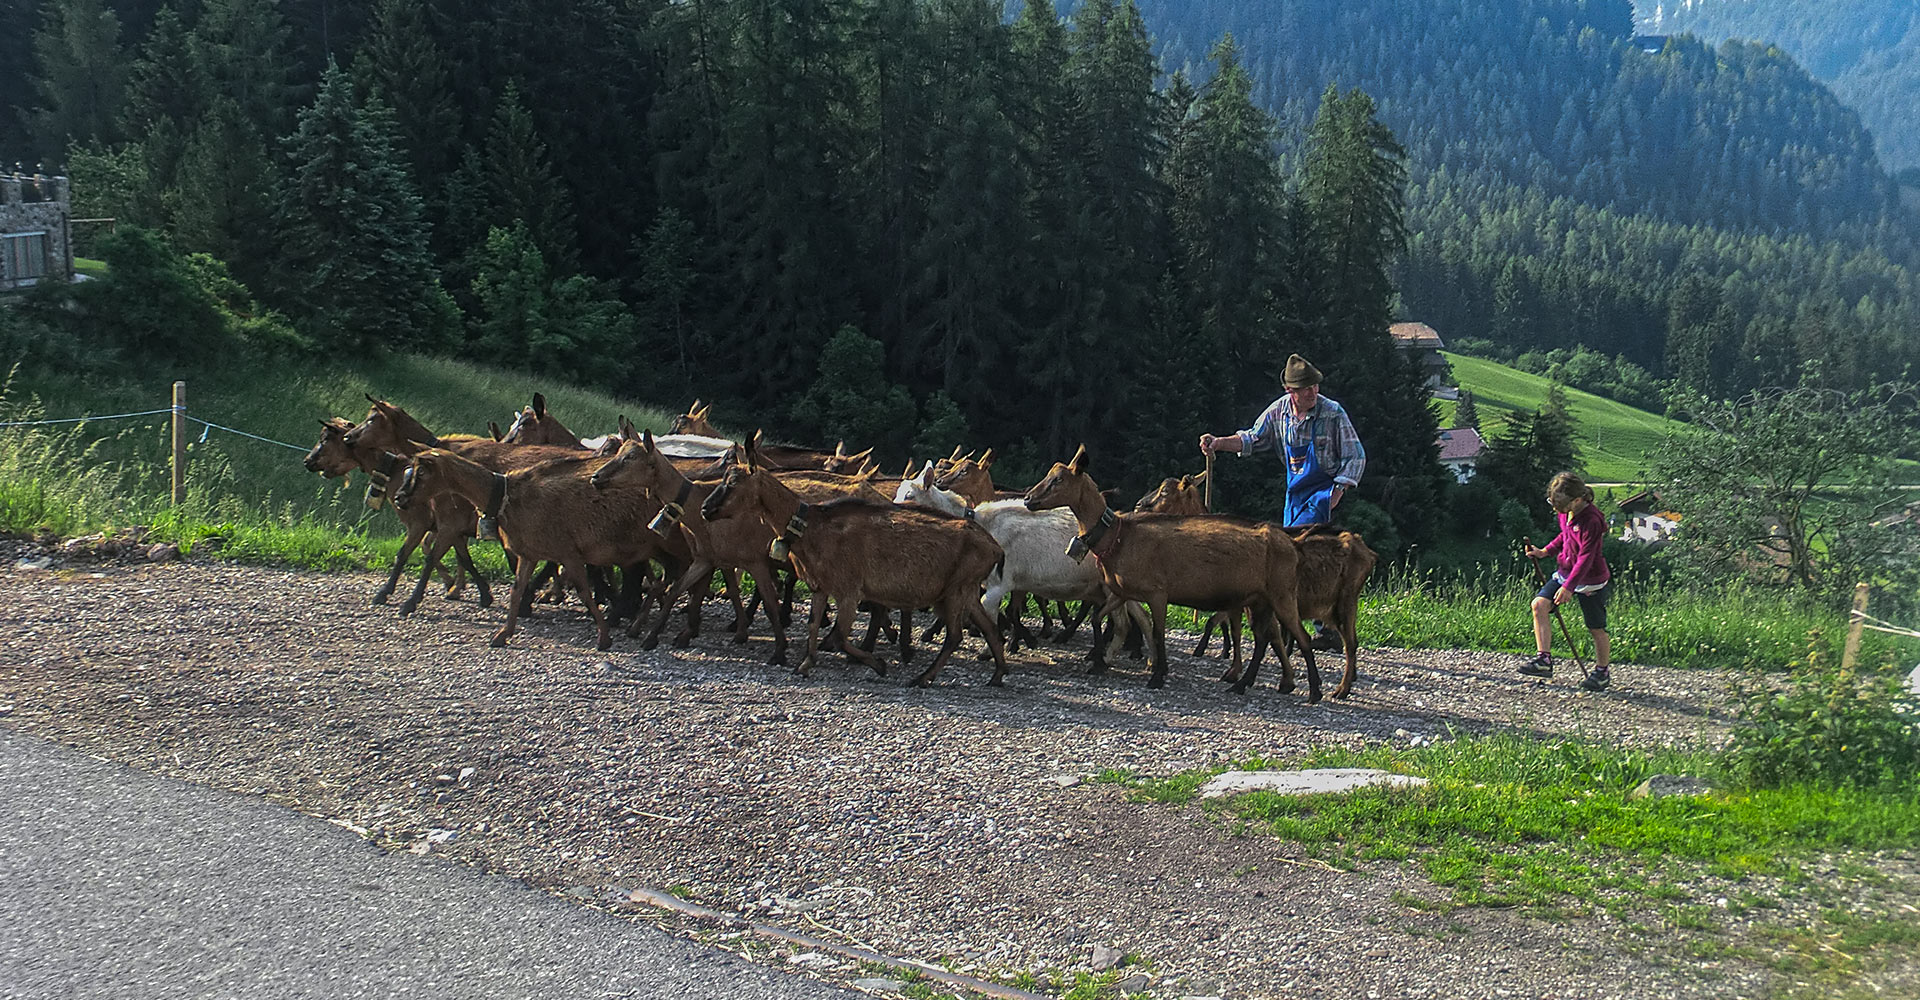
<point x="1035" y="543"/>
<point x="694" y="421"/>
<point x="1334" y="566"/>
<point x="551" y="511"/>
<point x="1182" y="495"/>
<point x="730" y="544"/>
<point x="851" y="550"/>
<point x="390" y="428"/>
<point x="331" y="456"/>
<point x="1209" y="562"/>
<point x="535" y="425"/>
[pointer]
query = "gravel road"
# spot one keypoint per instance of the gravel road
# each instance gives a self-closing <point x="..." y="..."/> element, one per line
<point x="955" y="826"/>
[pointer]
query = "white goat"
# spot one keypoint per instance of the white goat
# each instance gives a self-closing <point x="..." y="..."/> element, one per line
<point x="1035" y="543"/>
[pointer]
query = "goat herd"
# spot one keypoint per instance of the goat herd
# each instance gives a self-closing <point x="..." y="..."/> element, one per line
<point x="693" y="502"/>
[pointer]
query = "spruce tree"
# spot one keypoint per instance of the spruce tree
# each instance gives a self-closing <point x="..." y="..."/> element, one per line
<point x="81" y="80"/>
<point x="354" y="243"/>
<point x="1465" y="413"/>
<point x="402" y="63"/>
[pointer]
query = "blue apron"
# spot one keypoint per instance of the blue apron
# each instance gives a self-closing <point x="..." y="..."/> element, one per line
<point x="1309" y="486"/>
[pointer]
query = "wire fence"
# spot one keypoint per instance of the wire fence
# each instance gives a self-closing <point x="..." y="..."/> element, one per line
<point x="206" y="426"/>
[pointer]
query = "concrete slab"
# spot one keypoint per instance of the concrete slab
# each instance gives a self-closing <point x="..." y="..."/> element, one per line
<point x="1309" y="782"/>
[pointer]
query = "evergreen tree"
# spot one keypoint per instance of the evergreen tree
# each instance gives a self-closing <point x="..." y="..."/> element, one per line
<point x="16" y="73"/>
<point x="82" y="77"/>
<point x="851" y="399"/>
<point x="663" y="308"/>
<point x="225" y="182"/>
<point x="166" y="100"/>
<point x="1465" y="413"/>
<point x="1226" y="221"/>
<point x="1699" y="336"/>
<point x="244" y="52"/>
<point x="403" y="64"/>
<point x="354" y="241"/>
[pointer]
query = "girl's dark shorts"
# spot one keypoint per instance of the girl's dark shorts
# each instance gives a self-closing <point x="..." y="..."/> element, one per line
<point x="1593" y="607"/>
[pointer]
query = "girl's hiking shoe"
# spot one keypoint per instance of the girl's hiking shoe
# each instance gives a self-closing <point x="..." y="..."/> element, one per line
<point x="1596" y="681"/>
<point x="1540" y="666"/>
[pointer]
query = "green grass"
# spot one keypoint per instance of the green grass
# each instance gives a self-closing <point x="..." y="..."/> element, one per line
<point x="79" y="479"/>
<point x="89" y="266"/>
<point x="1614" y="439"/>
<point x="1512" y="821"/>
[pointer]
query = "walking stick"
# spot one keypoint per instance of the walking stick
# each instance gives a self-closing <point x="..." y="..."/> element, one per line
<point x="1540" y="578"/>
<point x="1209" y="475"/>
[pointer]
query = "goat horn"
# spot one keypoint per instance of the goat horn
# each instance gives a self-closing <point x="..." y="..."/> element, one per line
<point x="1079" y="460"/>
<point x="955" y="457"/>
<point x="986" y="459"/>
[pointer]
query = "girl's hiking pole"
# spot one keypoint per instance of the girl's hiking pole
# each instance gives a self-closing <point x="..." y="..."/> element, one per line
<point x="1539" y="580"/>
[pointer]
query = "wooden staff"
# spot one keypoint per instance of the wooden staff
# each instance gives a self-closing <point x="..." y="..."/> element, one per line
<point x="1209" y="475"/>
<point x="1540" y="578"/>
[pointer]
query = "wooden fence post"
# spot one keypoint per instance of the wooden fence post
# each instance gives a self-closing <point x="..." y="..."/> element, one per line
<point x="1854" y="623"/>
<point x="179" y="442"/>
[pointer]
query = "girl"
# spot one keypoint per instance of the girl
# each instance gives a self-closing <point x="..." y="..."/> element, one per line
<point x="1582" y="573"/>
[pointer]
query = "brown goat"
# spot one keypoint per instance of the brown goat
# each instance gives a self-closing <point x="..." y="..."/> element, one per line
<point x="1209" y="562"/>
<point x="535" y="425"/>
<point x="731" y="544"/>
<point x="1334" y="566"/>
<point x="694" y="421"/>
<point x="550" y="511"/>
<point x="452" y="521"/>
<point x="851" y="550"/>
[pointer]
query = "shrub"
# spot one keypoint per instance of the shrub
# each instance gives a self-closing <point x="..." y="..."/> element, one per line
<point x="1828" y="725"/>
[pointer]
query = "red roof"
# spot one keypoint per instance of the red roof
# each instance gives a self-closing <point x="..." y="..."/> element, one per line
<point x="1460" y="444"/>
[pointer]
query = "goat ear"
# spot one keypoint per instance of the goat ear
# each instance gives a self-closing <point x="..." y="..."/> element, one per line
<point x="1079" y="462"/>
<point x="626" y="427"/>
<point x="493" y="428"/>
<point x="986" y="460"/>
<point x="372" y="400"/>
<point x="646" y="439"/>
<point x="539" y="405"/>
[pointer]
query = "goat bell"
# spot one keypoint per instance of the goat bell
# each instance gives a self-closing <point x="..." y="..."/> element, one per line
<point x="489" y="528"/>
<point x="1077" y="549"/>
<point x="664" y="521"/>
<point x="778" y="550"/>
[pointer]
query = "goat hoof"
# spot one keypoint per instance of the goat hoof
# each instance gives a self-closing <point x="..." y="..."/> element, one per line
<point x="498" y="642"/>
<point x="1240" y="688"/>
<point x="995" y="681"/>
<point x="605" y="644"/>
<point x="408" y="608"/>
<point x="739" y="638"/>
<point x="1287" y="687"/>
<point x="682" y="641"/>
<point x="1313" y="697"/>
<point x="1230" y="676"/>
<point x="381" y="598"/>
<point x="1156" y="682"/>
<point x="650" y="643"/>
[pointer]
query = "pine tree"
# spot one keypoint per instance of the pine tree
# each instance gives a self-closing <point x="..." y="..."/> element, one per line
<point x="663" y="308"/>
<point x="354" y="242"/>
<point x="1465" y="413"/>
<point x="166" y="98"/>
<point x="82" y="77"/>
<point x="402" y="63"/>
<point x="244" y="52"/>
<point x="226" y="191"/>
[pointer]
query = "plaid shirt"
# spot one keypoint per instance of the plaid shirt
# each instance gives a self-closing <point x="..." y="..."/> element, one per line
<point x="1335" y="442"/>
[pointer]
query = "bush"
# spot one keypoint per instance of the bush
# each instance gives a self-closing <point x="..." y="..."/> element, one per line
<point x="1829" y="725"/>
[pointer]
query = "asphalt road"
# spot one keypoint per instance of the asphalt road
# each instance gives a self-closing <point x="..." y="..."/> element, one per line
<point x="119" y="884"/>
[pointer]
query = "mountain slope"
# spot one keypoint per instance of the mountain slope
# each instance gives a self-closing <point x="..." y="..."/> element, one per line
<point x="1868" y="51"/>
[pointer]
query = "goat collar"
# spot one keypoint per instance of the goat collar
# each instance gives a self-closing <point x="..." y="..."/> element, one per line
<point x="673" y="510"/>
<point x="1101" y="535"/>
<point x="796" y="525"/>
<point x="496" y="497"/>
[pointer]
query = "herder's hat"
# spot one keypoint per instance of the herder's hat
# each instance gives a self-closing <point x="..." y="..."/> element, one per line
<point x="1300" y="373"/>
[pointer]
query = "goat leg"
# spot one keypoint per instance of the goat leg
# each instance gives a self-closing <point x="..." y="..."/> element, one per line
<point x="522" y="586"/>
<point x="466" y="563"/>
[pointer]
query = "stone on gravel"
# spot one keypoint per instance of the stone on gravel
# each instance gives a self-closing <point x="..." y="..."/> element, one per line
<point x="33" y="563"/>
<point x="879" y="985"/>
<point x="163" y="552"/>
<point x="1136" y="983"/>
<point x="1309" y="782"/>
<point x="1662" y="785"/>
<point x="1105" y="958"/>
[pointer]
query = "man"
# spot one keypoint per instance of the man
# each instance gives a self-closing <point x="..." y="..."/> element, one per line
<point x="1313" y="435"/>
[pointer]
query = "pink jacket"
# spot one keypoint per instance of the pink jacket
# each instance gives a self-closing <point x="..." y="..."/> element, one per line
<point x="1577" y="549"/>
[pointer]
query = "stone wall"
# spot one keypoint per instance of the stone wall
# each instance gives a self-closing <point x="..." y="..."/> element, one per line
<point x="32" y="203"/>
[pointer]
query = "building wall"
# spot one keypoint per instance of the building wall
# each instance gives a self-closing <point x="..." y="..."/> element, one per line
<point x="30" y="204"/>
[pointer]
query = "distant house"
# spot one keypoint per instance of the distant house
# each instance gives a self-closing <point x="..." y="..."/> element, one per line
<point x="1654" y="44"/>
<point x="1460" y="449"/>
<point x="1422" y="346"/>
<point x="1647" y="521"/>
<point x="36" y="234"/>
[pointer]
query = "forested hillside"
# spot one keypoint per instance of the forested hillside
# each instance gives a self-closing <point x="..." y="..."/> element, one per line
<point x="1567" y="187"/>
<point x="1868" y="51"/>
<point x="915" y="223"/>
